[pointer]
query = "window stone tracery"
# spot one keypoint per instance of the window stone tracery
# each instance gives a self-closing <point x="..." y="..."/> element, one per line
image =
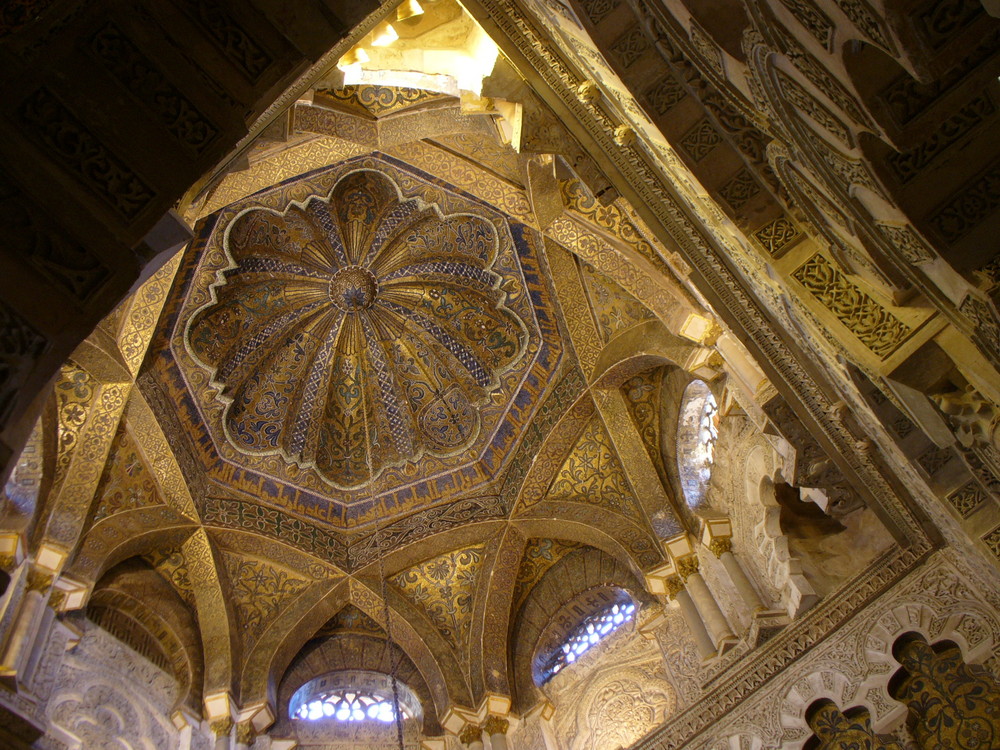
<point x="589" y="633"/>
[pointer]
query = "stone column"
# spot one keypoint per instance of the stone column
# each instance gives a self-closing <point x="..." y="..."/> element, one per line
<point x="222" y="728"/>
<point x="244" y="735"/>
<point x="713" y="616"/>
<point x="185" y="724"/>
<point x="496" y="727"/>
<point x="184" y="737"/>
<point x="472" y="737"/>
<point x="26" y="624"/>
<point x="689" y="612"/>
<point x="722" y="548"/>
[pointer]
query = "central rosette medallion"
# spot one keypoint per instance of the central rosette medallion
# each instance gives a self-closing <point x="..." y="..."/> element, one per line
<point x="353" y="288"/>
<point x="356" y="331"/>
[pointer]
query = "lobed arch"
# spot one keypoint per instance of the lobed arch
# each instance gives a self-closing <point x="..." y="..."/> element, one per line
<point x="921" y="118"/>
<point x="862" y="678"/>
<point x="842" y="198"/>
<point x="932" y="38"/>
<point x="725" y="21"/>
<point x="871" y="72"/>
<point x="839" y="217"/>
<point x="823" y="681"/>
<point x="781" y="567"/>
<point x="973" y="628"/>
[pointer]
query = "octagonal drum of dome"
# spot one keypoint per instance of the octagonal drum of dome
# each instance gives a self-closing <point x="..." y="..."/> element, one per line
<point x="366" y="330"/>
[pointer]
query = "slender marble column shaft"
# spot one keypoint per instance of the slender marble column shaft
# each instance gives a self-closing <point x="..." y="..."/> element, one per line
<point x="739" y="578"/>
<point x="694" y="622"/>
<point x="713" y="616"/>
<point x="26" y="625"/>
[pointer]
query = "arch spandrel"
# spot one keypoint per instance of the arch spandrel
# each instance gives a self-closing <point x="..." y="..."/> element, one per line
<point x="133" y="532"/>
<point x="265" y="682"/>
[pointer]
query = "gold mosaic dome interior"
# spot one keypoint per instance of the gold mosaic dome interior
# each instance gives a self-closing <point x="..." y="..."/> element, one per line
<point x="363" y="335"/>
<point x="358" y="331"/>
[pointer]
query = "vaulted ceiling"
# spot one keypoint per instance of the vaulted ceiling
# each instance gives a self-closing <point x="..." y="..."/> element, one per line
<point x="382" y="395"/>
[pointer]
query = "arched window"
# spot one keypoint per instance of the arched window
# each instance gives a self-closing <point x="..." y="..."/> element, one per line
<point x="353" y="696"/>
<point x="588" y="633"/>
<point x="697" y="430"/>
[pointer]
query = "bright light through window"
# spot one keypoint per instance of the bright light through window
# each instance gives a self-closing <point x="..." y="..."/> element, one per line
<point x="349" y="705"/>
<point x="589" y="633"/>
<point x="697" y="431"/>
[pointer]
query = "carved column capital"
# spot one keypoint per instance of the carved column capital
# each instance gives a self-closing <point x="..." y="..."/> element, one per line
<point x="495" y="725"/>
<point x="687" y="566"/>
<point x="720" y="545"/>
<point x="471" y="733"/>
<point x="38" y="581"/>
<point x="674" y="586"/>
<point x="221" y="727"/>
<point x="56" y="599"/>
<point x="245" y="733"/>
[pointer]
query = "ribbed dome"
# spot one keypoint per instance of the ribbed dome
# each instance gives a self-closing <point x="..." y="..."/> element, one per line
<point x="363" y="312"/>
